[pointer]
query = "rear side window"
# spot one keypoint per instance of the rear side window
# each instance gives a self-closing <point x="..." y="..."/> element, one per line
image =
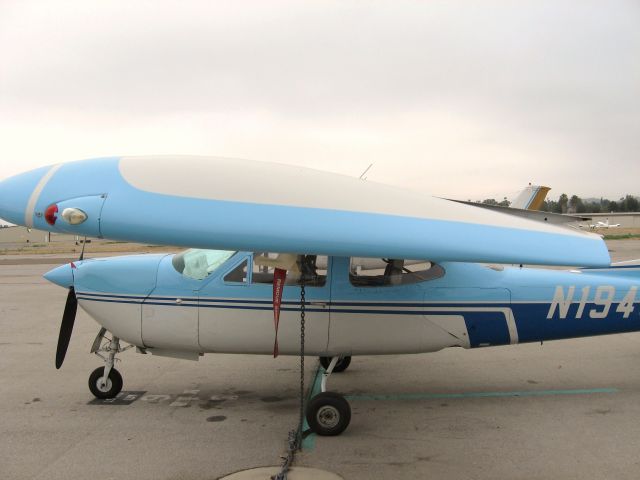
<point x="383" y="272"/>
<point x="313" y="266"/>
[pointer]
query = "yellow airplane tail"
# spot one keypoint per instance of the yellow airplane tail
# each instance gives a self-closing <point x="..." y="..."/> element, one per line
<point x="531" y="198"/>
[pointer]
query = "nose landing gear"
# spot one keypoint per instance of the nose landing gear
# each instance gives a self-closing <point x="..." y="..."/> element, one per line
<point x="329" y="413"/>
<point x="102" y="388"/>
<point x="106" y="382"/>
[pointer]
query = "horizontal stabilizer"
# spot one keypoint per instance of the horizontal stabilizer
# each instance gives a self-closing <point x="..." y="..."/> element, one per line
<point x="554" y="218"/>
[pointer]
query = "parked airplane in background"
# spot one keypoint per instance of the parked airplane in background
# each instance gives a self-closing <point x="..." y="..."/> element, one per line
<point x="604" y="224"/>
<point x="385" y="271"/>
<point x="531" y="198"/>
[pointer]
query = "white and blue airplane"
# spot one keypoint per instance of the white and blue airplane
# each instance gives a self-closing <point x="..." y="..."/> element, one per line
<point x="386" y="271"/>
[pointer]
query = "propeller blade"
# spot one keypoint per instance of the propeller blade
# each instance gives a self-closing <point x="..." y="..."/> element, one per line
<point x="66" y="327"/>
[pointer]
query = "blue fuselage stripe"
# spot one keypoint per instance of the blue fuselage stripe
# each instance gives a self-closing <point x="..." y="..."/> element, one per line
<point x="337" y="303"/>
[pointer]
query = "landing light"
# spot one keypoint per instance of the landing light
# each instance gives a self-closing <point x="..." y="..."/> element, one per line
<point x="50" y="214"/>
<point x="74" y="216"/>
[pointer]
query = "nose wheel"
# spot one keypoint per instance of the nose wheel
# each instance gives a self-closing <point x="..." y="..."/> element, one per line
<point x="102" y="387"/>
<point x="329" y="413"/>
<point x="106" y="382"/>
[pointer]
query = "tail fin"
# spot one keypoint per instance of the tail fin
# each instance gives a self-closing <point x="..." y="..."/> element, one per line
<point x="531" y="197"/>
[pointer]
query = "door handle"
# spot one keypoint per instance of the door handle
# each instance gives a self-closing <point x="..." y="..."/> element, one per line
<point x="178" y="301"/>
<point x="318" y="304"/>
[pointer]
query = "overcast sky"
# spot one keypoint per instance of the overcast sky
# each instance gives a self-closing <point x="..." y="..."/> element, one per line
<point x="463" y="99"/>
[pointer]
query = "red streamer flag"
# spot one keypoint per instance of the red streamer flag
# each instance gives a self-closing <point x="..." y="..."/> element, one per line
<point x="279" y="277"/>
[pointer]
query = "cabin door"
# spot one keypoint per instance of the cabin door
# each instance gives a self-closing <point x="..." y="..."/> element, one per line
<point x="236" y="311"/>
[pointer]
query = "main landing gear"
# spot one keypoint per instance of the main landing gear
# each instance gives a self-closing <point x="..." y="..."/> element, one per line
<point x="341" y="365"/>
<point x="106" y="382"/>
<point x="329" y="413"/>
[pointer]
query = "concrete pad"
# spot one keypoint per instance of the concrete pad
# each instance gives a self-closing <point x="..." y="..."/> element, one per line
<point x="414" y="416"/>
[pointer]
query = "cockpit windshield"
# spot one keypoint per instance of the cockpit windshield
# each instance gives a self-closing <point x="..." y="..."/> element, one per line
<point x="199" y="264"/>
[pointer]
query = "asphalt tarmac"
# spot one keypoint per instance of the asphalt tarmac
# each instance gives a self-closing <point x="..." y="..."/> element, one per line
<point x="566" y="409"/>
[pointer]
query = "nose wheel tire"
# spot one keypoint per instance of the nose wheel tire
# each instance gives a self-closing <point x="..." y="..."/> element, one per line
<point x="328" y="414"/>
<point x="341" y="366"/>
<point x="105" y="389"/>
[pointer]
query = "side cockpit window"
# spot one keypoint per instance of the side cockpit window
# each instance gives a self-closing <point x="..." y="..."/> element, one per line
<point x="383" y="272"/>
<point x="311" y="268"/>
<point x="238" y="274"/>
<point x="199" y="264"/>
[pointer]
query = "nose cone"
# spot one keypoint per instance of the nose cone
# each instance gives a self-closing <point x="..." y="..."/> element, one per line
<point x="15" y="193"/>
<point x="62" y="276"/>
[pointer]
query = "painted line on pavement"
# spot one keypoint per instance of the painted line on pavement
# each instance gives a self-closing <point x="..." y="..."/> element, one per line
<point x="524" y="393"/>
<point x="309" y="442"/>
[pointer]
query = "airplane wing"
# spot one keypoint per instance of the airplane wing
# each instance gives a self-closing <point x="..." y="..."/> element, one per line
<point x="211" y="202"/>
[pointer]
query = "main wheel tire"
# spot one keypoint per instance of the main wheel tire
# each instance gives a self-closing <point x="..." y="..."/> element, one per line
<point x="341" y="366"/>
<point x="328" y="414"/>
<point x="102" y="390"/>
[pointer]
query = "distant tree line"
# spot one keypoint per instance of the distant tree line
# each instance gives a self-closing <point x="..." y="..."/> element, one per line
<point x="575" y="204"/>
<point x="493" y="201"/>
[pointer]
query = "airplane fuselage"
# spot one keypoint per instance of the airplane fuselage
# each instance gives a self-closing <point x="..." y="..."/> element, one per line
<point x="146" y="302"/>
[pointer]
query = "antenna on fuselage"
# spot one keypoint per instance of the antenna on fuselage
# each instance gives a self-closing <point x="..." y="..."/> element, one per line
<point x="362" y="177"/>
<point x="84" y="243"/>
